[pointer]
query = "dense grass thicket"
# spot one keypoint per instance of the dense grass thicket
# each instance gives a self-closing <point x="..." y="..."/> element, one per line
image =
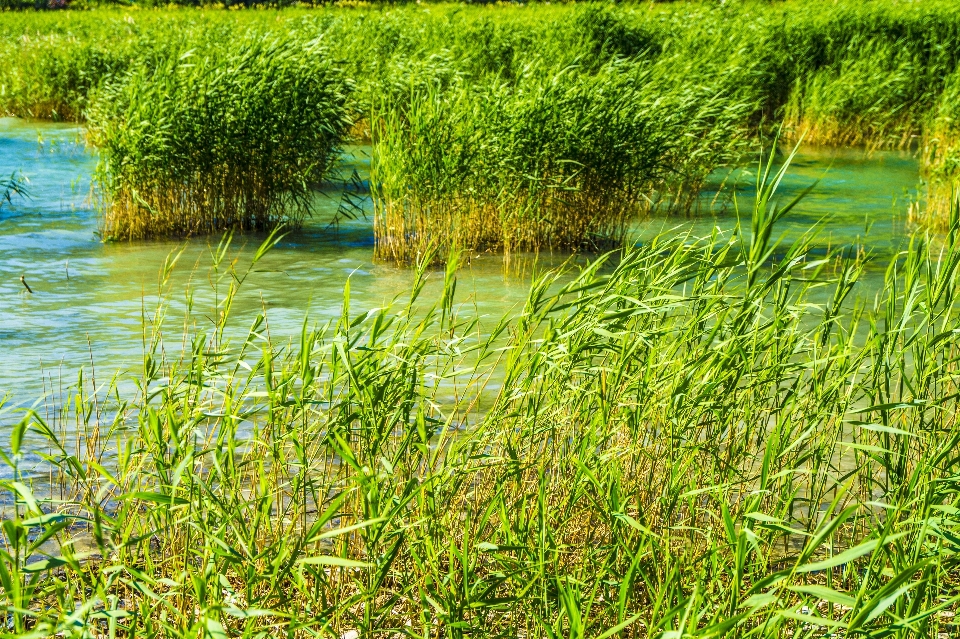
<point x="516" y="114"/>
<point x="219" y="138"/>
<point x="562" y="162"/>
<point x="684" y="439"/>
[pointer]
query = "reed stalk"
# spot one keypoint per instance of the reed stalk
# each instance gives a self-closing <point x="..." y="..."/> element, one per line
<point x="696" y="437"/>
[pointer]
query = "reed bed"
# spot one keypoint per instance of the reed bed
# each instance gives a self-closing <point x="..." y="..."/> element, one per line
<point x="695" y="437"/>
<point x="54" y="63"/>
<point x="562" y="162"/>
<point x="215" y="140"/>
<point x="870" y="73"/>
<point x="941" y="157"/>
<point x="688" y="438"/>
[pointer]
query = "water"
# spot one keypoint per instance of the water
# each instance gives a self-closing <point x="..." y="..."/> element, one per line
<point x="89" y="297"/>
<point x="858" y="199"/>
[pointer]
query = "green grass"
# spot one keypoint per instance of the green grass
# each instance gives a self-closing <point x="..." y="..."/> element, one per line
<point x="691" y="437"/>
<point x="695" y="437"/>
<point x="871" y="73"/>
<point x="216" y="139"/>
<point x="560" y="160"/>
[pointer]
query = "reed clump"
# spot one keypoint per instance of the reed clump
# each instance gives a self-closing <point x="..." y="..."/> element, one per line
<point x="55" y="76"/>
<point x="54" y="63"/>
<point x="218" y="138"/>
<point x="556" y="161"/>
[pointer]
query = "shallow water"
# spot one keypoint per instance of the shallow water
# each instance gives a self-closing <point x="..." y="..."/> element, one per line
<point x="86" y="308"/>
<point x="89" y="296"/>
<point x="858" y="199"/>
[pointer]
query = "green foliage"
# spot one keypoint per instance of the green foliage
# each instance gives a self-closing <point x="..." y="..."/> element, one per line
<point x="610" y="33"/>
<point x="218" y="139"/>
<point x="559" y="161"/>
<point x="872" y="73"/>
<point x="55" y="62"/>
<point x="15" y="185"/>
<point x="941" y="156"/>
<point x="696" y="437"/>
<point x="55" y="76"/>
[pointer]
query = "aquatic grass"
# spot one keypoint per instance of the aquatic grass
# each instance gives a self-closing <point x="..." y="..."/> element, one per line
<point x="844" y="72"/>
<point x="15" y="185"/>
<point x="871" y="100"/>
<point x="607" y="33"/>
<point x="863" y="73"/>
<point x="54" y="77"/>
<point x="218" y="139"/>
<point x="562" y="161"/>
<point x="53" y="63"/>
<point x="693" y="437"/>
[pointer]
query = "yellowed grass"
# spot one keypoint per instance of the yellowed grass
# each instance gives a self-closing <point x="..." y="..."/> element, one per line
<point x="210" y="204"/>
<point x="407" y="229"/>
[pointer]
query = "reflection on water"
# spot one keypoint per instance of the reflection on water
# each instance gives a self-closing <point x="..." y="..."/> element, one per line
<point x="89" y="297"/>
<point x="856" y="197"/>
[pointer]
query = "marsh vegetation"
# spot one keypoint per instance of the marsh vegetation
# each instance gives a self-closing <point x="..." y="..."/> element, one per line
<point x="726" y="435"/>
<point x="490" y="125"/>
<point x="683" y="439"/>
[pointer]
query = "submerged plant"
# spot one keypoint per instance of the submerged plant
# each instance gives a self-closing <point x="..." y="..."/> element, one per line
<point x="218" y="139"/>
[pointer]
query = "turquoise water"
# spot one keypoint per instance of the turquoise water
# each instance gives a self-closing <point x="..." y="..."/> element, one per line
<point x="89" y="297"/>
<point x="858" y="199"/>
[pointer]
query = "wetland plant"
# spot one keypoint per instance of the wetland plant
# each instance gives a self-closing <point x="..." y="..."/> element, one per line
<point x="941" y="158"/>
<point x="15" y="185"/>
<point x="693" y="437"/>
<point x="559" y="160"/>
<point x="218" y="138"/>
<point x="845" y="72"/>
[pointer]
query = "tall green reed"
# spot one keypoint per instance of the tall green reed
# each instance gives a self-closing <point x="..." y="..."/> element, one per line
<point x="559" y="160"/>
<point x="871" y="73"/>
<point x="692" y="437"/>
<point x="213" y="139"/>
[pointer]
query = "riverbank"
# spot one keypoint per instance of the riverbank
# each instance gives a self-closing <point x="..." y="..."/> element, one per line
<point x="678" y="441"/>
